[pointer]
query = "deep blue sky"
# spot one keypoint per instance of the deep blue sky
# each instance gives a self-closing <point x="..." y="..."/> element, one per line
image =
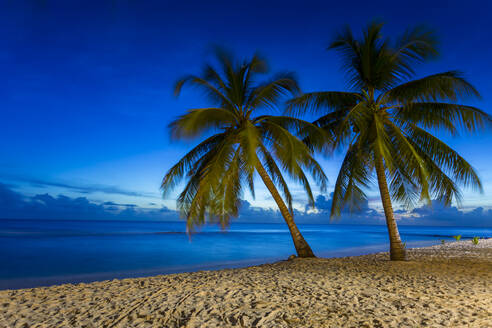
<point x="87" y="85"/>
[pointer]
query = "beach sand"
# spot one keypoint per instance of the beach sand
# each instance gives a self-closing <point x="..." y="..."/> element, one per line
<point x="440" y="286"/>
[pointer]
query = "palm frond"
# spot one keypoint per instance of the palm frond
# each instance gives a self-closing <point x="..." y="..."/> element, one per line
<point x="249" y="139"/>
<point x="442" y="187"/>
<point x="269" y="93"/>
<point x="416" y="45"/>
<point x="198" y="121"/>
<point x="321" y="102"/>
<point x="350" y="51"/>
<point x="444" y="157"/>
<point x="177" y="172"/>
<point x="381" y="144"/>
<point x="202" y="193"/>
<point x="212" y="92"/>
<point x="444" y="116"/>
<point x="353" y="177"/>
<point x="413" y="161"/>
<point x="293" y="155"/>
<point x="443" y="86"/>
<point x="313" y="136"/>
<point x="276" y="175"/>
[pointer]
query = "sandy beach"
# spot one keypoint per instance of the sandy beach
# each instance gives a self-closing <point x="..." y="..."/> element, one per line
<point x="440" y="286"/>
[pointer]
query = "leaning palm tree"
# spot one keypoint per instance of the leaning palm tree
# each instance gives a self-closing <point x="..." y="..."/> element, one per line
<point x="386" y="122"/>
<point x="240" y="143"/>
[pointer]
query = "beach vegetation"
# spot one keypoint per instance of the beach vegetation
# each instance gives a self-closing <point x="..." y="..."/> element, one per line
<point x="241" y="139"/>
<point x="386" y="123"/>
<point x="457" y="238"/>
<point x="475" y="240"/>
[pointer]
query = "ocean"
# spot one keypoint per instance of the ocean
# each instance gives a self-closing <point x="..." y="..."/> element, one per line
<point x="45" y="252"/>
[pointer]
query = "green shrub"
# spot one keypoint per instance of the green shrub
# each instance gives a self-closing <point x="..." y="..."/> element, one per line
<point x="475" y="240"/>
<point x="443" y="241"/>
<point x="457" y="237"/>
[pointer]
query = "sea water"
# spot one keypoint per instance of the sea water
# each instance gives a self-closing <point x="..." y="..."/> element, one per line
<point x="45" y="252"/>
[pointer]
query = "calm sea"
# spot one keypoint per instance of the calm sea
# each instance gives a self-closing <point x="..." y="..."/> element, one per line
<point x="38" y="253"/>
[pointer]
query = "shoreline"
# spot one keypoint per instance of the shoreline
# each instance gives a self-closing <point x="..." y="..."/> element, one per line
<point x="51" y="281"/>
<point x="444" y="285"/>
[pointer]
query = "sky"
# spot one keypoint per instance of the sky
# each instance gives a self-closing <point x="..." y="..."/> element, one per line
<point x="87" y="96"/>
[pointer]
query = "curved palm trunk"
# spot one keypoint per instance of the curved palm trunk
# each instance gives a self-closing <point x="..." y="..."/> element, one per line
<point x="397" y="251"/>
<point x="302" y="247"/>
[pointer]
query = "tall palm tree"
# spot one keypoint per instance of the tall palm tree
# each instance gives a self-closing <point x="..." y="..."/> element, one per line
<point x="385" y="123"/>
<point x="240" y="143"/>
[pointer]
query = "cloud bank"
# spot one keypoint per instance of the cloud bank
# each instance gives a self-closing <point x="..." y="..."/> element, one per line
<point x="14" y="205"/>
<point x="83" y="189"/>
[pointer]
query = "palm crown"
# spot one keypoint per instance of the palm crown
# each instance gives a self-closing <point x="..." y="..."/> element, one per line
<point x="385" y="120"/>
<point x="241" y="142"/>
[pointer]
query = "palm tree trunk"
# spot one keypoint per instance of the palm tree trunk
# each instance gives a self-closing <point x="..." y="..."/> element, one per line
<point x="302" y="247"/>
<point x="397" y="251"/>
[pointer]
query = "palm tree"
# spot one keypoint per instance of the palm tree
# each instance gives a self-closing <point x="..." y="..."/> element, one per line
<point x="385" y="122"/>
<point x="240" y="143"/>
